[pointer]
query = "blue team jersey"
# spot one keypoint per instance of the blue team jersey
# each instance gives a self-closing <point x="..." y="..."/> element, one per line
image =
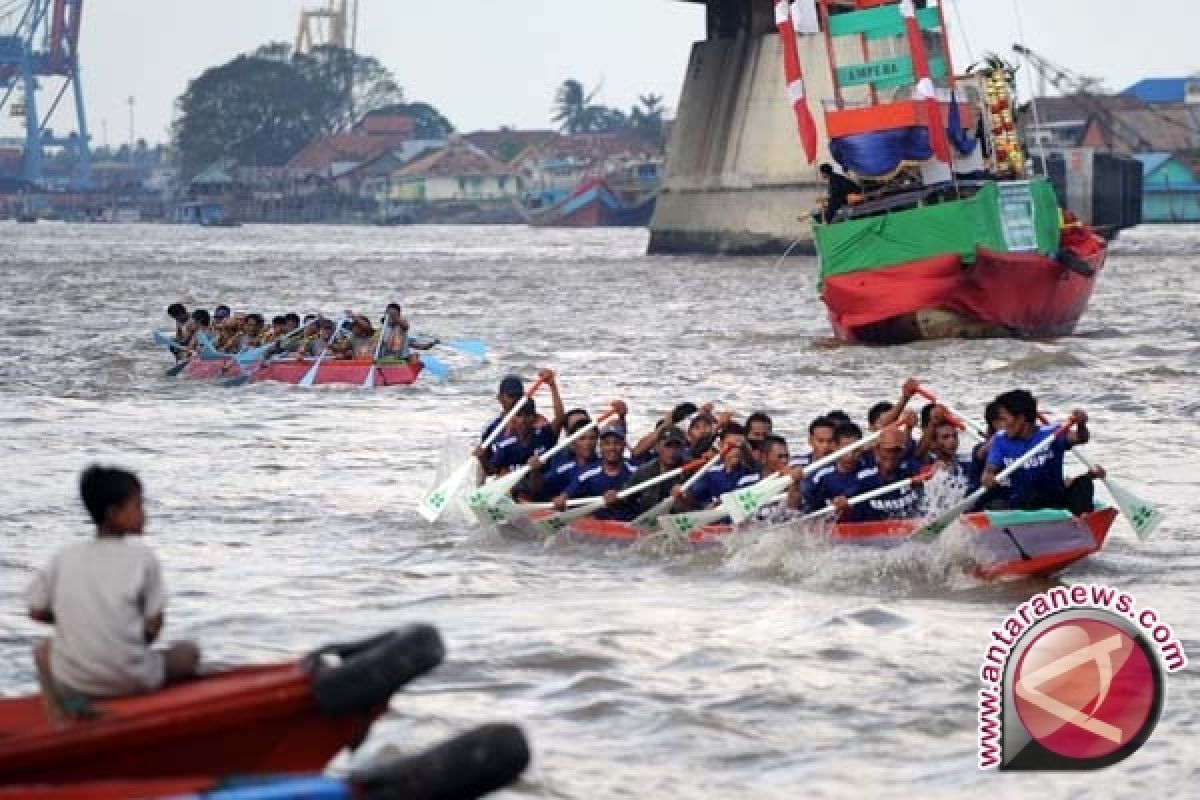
<point x="594" y="482"/>
<point x="802" y="461"/>
<point x="965" y="472"/>
<point x="716" y="481"/>
<point x="559" y="472"/>
<point x="510" y="452"/>
<point x="900" y="504"/>
<point x="1042" y="476"/>
<point x="826" y="484"/>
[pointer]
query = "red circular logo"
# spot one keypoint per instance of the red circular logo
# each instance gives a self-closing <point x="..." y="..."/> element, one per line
<point x="1084" y="689"/>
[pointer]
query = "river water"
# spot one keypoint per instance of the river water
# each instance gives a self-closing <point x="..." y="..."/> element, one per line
<point x="285" y="518"/>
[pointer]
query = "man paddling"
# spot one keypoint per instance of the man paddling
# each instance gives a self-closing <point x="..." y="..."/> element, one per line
<point x="839" y="479"/>
<point x="732" y="473"/>
<point x="548" y="481"/>
<point x="822" y="436"/>
<point x="668" y="450"/>
<point x="183" y="328"/>
<point x="1039" y="483"/>
<point x="525" y="440"/>
<point x="604" y="480"/>
<point x="891" y="466"/>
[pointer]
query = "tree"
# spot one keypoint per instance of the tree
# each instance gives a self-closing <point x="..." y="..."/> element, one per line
<point x="573" y="109"/>
<point x="647" y="118"/>
<point x="428" y="122"/>
<point x="255" y="110"/>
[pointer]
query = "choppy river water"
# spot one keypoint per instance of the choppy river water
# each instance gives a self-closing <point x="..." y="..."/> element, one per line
<point x="285" y="518"/>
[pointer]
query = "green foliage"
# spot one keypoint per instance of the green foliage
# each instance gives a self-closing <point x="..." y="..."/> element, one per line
<point x="575" y="112"/>
<point x="261" y="109"/>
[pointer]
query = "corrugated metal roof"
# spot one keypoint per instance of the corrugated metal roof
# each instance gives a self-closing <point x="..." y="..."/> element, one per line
<point x="1159" y="90"/>
<point x="1152" y="161"/>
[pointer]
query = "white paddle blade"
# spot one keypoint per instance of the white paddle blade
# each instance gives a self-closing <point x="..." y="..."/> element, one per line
<point x="647" y="521"/>
<point x="434" y="504"/>
<point x="686" y="524"/>
<point x="491" y="492"/>
<point x="1143" y="517"/>
<point x="556" y="522"/>
<point x="369" y="381"/>
<point x="745" y="503"/>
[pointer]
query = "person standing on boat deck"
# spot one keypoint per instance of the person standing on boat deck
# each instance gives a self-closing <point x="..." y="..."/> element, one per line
<point x="1039" y="484"/>
<point x="733" y="472"/>
<point x="106" y="600"/>
<point x="839" y="479"/>
<point x="840" y="189"/>
<point x="605" y="479"/>
<point x="668" y="451"/>
<point x="547" y="481"/>
<point x="891" y="465"/>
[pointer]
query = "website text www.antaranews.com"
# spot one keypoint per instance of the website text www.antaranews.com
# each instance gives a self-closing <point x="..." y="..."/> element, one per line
<point x="1038" y="607"/>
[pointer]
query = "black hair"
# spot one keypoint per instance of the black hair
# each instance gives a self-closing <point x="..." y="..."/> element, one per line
<point x="773" y="440"/>
<point x="104" y="488"/>
<point x="279" y="319"/>
<point x="396" y="306"/>
<point x="682" y="412"/>
<point x="1019" y="403"/>
<point x="224" y="308"/>
<point x="991" y="413"/>
<point x="177" y="310"/>
<point x="838" y="416"/>
<point x="256" y="318"/>
<point x="201" y="316"/>
<point x="847" y="430"/>
<point x="292" y="318"/>
<point x="734" y="428"/>
<point x="821" y="422"/>
<point x="309" y="318"/>
<point x="826" y="169"/>
<point x="926" y="415"/>
<point x="577" y="424"/>
<point x="760" y="416"/>
<point x="528" y="409"/>
<point x="878" y="410"/>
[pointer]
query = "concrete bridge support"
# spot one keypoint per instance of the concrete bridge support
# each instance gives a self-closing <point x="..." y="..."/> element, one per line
<point x="736" y="181"/>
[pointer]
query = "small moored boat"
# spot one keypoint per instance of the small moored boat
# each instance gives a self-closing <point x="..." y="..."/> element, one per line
<point x="290" y="717"/>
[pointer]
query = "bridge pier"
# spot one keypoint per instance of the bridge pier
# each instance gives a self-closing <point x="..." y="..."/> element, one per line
<point x="736" y="181"/>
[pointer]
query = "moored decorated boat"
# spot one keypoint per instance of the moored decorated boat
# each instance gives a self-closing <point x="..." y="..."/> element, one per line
<point x="950" y="236"/>
<point x="289" y="717"/>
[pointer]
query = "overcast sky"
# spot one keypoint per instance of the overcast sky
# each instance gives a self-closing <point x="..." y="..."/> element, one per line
<point x="487" y="63"/>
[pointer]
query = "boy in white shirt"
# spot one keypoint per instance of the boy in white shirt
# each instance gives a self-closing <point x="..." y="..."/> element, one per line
<point x="106" y="600"/>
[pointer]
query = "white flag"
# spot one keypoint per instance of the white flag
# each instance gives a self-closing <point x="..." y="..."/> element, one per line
<point x="804" y="16"/>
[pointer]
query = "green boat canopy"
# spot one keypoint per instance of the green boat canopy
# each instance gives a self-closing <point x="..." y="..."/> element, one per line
<point x="1013" y="216"/>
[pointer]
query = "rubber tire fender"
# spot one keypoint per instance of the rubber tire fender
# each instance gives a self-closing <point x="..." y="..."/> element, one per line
<point x="374" y="669"/>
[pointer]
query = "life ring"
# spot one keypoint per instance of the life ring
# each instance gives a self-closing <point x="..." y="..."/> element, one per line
<point x="365" y="674"/>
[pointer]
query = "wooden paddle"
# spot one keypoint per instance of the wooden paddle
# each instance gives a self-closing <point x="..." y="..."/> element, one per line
<point x="556" y="522"/>
<point x="498" y="487"/>
<point x="932" y="529"/>
<point x="434" y="502"/>
<point x="1143" y="517"/>
<point x="369" y="381"/>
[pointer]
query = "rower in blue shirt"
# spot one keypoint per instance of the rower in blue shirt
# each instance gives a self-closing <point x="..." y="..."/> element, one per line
<point x="734" y="472"/>
<point x="839" y="479"/>
<point x="890" y="466"/>
<point x="1039" y="483"/>
<point x="822" y="434"/>
<point x="551" y="479"/>
<point x="525" y="440"/>
<point x="604" y="479"/>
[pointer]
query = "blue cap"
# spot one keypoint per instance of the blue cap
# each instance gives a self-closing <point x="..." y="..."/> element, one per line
<point x="511" y="386"/>
<point x="613" y="430"/>
<point x="221" y="312"/>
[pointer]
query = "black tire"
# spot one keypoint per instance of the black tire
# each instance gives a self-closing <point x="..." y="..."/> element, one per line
<point x="466" y="767"/>
<point x="372" y="670"/>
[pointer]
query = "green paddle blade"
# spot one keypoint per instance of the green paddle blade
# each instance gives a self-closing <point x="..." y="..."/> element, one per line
<point x="745" y="503"/>
<point x="1143" y="517"/>
<point x="434" y="503"/>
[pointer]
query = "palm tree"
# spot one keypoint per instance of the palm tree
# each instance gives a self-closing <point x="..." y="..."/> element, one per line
<point x="573" y="109"/>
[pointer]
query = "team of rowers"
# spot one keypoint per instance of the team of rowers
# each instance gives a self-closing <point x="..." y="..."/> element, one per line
<point x="605" y="460"/>
<point x="352" y="337"/>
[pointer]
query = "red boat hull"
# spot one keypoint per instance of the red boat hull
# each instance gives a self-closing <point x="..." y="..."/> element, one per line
<point x="340" y="372"/>
<point x="284" y="718"/>
<point x="293" y="371"/>
<point x="253" y="720"/>
<point x="1000" y="294"/>
<point x="1034" y="549"/>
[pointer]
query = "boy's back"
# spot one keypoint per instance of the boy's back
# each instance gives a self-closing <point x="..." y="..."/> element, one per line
<point x="101" y="592"/>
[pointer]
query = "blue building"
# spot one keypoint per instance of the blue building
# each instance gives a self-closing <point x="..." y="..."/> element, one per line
<point x="1170" y="191"/>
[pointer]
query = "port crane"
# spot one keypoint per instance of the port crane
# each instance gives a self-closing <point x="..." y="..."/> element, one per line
<point x="335" y="23"/>
<point x="39" y="52"/>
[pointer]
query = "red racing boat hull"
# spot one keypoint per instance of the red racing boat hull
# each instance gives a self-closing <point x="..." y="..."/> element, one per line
<point x="285" y="718"/>
<point x="999" y="295"/>
<point x="1008" y="545"/>
<point x="340" y="372"/>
